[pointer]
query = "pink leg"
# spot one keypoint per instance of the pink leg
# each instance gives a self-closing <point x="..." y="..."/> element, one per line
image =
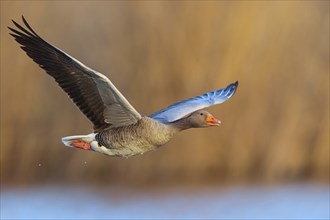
<point x="81" y="144"/>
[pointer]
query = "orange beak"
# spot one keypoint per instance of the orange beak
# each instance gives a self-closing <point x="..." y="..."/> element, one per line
<point x="212" y="121"/>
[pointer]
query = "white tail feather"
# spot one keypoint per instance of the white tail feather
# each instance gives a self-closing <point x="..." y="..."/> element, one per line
<point x="67" y="141"/>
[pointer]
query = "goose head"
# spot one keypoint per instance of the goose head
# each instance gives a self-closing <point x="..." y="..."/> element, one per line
<point x="202" y="119"/>
<point x="197" y="119"/>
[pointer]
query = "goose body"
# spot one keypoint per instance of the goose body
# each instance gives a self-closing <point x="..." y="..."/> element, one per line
<point x="119" y="130"/>
<point x="147" y="134"/>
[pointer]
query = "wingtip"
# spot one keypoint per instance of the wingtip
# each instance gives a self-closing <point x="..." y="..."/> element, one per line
<point x="16" y="22"/>
<point x="234" y="87"/>
<point x="24" y="20"/>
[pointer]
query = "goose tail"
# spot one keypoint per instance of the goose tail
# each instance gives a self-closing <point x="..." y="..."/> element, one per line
<point x="79" y="141"/>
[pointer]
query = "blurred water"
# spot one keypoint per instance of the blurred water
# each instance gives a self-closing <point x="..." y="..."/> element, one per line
<point x="280" y="202"/>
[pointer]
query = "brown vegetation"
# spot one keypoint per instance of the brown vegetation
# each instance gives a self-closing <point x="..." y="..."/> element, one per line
<point x="275" y="128"/>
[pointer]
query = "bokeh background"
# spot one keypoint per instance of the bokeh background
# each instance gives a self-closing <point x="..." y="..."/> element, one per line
<point x="275" y="130"/>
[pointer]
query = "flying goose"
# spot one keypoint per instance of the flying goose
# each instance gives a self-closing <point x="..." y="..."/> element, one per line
<point x="119" y="130"/>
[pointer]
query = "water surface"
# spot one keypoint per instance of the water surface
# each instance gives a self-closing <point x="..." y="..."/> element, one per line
<point x="280" y="202"/>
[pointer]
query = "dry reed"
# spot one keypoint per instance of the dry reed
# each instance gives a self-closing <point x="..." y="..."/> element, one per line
<point x="276" y="127"/>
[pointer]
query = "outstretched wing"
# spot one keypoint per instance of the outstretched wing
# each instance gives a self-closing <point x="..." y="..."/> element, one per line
<point x="185" y="107"/>
<point x="92" y="92"/>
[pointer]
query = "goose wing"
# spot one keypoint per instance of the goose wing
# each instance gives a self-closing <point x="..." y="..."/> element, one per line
<point x="185" y="107"/>
<point x="92" y="92"/>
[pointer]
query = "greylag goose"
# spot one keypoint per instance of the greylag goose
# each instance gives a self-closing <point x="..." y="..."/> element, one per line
<point x="119" y="130"/>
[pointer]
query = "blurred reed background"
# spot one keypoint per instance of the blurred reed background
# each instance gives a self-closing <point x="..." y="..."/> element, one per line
<point x="275" y="128"/>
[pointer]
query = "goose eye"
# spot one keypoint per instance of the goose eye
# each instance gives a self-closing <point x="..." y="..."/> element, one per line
<point x="201" y="114"/>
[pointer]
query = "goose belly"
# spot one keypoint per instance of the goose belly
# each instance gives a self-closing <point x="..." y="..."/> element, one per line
<point x="119" y="142"/>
